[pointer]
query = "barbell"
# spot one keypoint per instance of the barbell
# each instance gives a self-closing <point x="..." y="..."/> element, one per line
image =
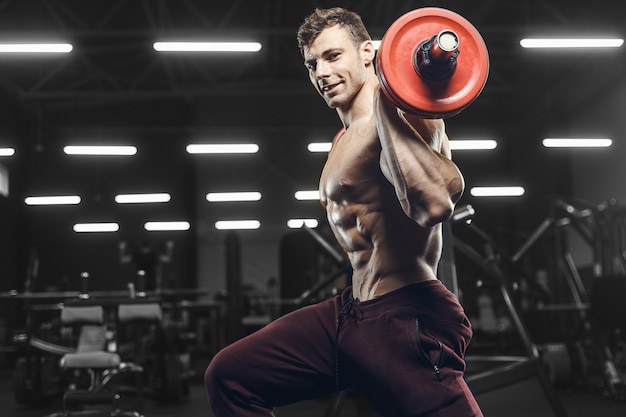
<point x="432" y="62"/>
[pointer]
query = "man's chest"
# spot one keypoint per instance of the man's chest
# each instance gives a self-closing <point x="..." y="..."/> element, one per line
<point x="353" y="162"/>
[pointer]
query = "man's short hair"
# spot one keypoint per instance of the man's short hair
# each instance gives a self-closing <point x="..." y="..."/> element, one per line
<point x="321" y="19"/>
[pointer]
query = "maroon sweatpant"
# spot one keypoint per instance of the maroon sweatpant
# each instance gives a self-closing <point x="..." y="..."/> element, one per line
<point x="402" y="351"/>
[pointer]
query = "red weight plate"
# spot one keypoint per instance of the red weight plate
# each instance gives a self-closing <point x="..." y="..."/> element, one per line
<point x="407" y="89"/>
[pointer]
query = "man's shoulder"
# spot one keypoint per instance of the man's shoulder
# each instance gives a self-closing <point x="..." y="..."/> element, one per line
<point x="339" y="134"/>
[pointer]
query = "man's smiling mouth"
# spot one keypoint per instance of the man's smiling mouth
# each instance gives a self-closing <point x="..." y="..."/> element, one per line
<point x="328" y="88"/>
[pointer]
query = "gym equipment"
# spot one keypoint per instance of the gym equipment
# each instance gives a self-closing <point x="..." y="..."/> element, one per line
<point x="154" y="347"/>
<point x="432" y="62"/>
<point x="594" y="315"/>
<point x="35" y="377"/>
<point x="36" y="374"/>
<point x="38" y="296"/>
<point x="500" y="371"/>
<point x="557" y="362"/>
<point x="43" y="344"/>
<point x="92" y="359"/>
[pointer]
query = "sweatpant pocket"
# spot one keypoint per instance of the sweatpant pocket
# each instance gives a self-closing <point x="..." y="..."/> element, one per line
<point x="430" y="348"/>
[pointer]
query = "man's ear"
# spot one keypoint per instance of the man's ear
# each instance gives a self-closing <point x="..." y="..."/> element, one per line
<point x="367" y="52"/>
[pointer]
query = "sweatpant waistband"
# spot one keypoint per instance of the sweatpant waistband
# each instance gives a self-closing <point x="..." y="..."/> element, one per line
<point x="419" y="293"/>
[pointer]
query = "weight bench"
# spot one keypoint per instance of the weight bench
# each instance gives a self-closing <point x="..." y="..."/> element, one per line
<point x="91" y="358"/>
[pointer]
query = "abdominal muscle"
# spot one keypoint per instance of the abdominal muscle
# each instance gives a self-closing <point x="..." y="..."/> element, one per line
<point x="387" y="249"/>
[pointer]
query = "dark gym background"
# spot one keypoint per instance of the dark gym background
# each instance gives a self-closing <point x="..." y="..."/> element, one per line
<point x="113" y="88"/>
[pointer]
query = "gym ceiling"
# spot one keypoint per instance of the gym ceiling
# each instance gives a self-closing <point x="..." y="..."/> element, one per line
<point x="113" y="87"/>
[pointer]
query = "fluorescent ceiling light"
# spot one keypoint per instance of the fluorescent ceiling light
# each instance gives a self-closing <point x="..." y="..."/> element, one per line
<point x="52" y="200"/>
<point x="237" y="224"/>
<point x="497" y="191"/>
<point x="576" y="143"/>
<point x="307" y="195"/>
<point x="299" y="223"/>
<point x="164" y="226"/>
<point x="207" y="46"/>
<point x="223" y="148"/>
<point x="456" y="145"/>
<point x="96" y="227"/>
<point x="235" y="196"/>
<point x="35" y="48"/>
<point x="100" y="150"/>
<point x="7" y="151"/>
<point x="571" y="43"/>
<point x="142" y="198"/>
<point x="319" y="146"/>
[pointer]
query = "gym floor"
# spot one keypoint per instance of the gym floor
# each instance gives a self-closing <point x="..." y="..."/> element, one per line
<point x="524" y="399"/>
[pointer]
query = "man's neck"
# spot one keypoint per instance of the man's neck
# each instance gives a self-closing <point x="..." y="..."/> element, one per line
<point x="361" y="106"/>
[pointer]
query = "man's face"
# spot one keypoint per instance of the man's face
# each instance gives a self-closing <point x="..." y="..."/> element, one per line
<point x="337" y="68"/>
